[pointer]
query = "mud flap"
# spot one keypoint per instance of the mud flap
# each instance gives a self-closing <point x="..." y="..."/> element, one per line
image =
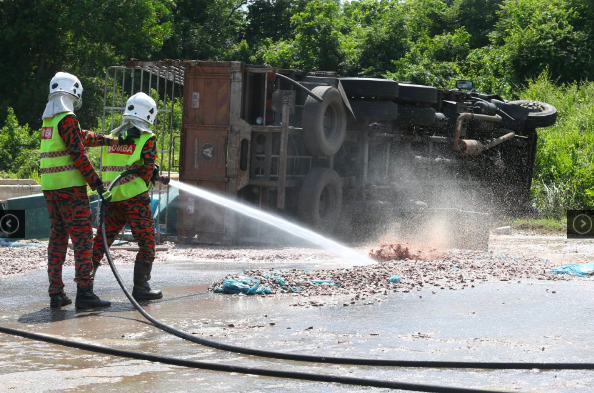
<point x="345" y="99"/>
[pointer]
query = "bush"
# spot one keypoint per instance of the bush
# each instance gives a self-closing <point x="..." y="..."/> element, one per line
<point x="19" y="149"/>
<point x="564" y="168"/>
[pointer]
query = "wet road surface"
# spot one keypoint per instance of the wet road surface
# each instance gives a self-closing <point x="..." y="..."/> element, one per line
<point x="533" y="321"/>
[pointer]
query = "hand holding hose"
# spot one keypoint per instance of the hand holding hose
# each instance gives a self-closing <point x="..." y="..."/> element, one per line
<point x="158" y="178"/>
<point x="164" y="179"/>
<point x="104" y="194"/>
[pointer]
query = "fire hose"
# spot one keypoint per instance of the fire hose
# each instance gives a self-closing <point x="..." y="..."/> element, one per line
<point x="285" y="356"/>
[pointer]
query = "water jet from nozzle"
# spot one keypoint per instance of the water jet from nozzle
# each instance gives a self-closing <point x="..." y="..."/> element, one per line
<point x="275" y="221"/>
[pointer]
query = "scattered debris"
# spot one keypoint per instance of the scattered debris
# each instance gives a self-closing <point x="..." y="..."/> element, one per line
<point x="454" y="270"/>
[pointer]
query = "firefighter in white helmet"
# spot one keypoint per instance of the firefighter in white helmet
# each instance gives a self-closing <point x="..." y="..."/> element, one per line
<point x="65" y="173"/>
<point x="131" y="202"/>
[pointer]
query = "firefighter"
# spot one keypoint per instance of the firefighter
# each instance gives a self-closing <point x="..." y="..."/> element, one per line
<point x="131" y="202"/>
<point x="65" y="172"/>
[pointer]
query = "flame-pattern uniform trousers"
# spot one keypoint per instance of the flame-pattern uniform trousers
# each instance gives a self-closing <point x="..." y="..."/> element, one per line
<point x="68" y="208"/>
<point x="134" y="210"/>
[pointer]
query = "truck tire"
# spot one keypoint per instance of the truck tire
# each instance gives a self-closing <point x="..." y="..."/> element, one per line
<point x="375" y="110"/>
<point x="541" y="114"/>
<point x="417" y="94"/>
<point x="383" y="89"/>
<point x="324" y="123"/>
<point x="320" y="199"/>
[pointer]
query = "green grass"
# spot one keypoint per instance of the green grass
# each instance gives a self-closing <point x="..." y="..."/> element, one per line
<point x="541" y="225"/>
<point x="564" y="168"/>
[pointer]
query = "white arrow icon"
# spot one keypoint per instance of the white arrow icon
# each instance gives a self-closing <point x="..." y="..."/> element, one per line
<point x="9" y="224"/>
<point x="582" y="224"/>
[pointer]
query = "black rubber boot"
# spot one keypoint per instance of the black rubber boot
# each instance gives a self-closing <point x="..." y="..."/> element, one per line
<point x="59" y="300"/>
<point x="142" y="290"/>
<point x="86" y="298"/>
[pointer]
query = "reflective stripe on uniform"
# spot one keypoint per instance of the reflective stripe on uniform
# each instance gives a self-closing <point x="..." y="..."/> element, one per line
<point x="57" y="169"/>
<point x="54" y="154"/>
<point x="113" y="168"/>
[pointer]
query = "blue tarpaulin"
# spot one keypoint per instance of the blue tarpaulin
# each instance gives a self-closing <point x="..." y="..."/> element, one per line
<point x="8" y="243"/>
<point x="575" y="269"/>
<point x="247" y="286"/>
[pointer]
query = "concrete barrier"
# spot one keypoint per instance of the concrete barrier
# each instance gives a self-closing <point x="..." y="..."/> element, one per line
<point x="14" y="188"/>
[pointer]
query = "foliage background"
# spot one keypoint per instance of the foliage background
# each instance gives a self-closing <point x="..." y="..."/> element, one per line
<point x="540" y="49"/>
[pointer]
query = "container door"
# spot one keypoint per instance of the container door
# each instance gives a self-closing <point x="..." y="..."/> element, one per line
<point x="205" y="132"/>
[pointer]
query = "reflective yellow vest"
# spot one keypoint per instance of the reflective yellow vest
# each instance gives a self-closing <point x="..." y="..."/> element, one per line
<point x="56" y="167"/>
<point x="117" y="159"/>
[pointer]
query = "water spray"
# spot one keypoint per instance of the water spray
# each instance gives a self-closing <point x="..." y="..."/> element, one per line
<point x="277" y="222"/>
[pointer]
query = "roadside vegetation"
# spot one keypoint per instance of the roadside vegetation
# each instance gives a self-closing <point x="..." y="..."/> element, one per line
<point x="564" y="168"/>
<point x="543" y="226"/>
<point x="528" y="49"/>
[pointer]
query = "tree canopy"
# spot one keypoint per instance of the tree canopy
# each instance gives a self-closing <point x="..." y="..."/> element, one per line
<point x="500" y="44"/>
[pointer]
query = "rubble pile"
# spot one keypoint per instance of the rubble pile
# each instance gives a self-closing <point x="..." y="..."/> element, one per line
<point x="394" y="251"/>
<point x="455" y="270"/>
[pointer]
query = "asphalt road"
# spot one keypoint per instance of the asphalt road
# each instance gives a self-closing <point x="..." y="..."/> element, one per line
<point x="533" y="321"/>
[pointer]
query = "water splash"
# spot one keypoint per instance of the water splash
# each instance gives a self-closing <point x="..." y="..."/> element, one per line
<point x="280" y="223"/>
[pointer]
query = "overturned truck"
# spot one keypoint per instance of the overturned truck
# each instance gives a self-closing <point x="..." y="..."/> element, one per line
<point x="341" y="153"/>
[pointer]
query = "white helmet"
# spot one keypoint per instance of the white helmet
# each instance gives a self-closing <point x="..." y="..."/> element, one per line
<point x="141" y="106"/>
<point x="64" y="82"/>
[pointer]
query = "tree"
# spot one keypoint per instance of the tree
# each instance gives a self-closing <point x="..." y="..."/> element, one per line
<point x="270" y="19"/>
<point x="435" y="61"/>
<point x="534" y="35"/>
<point x="317" y="36"/>
<point x="385" y="39"/>
<point x="478" y="17"/>
<point x="42" y="37"/>
<point x="19" y="148"/>
<point x="204" y="29"/>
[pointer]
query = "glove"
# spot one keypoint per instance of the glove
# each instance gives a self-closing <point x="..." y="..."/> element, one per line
<point x="127" y="136"/>
<point x="156" y="175"/>
<point x="158" y="178"/>
<point x="104" y="194"/>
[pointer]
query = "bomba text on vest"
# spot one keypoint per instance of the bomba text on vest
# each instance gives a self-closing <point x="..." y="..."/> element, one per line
<point x="122" y="149"/>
